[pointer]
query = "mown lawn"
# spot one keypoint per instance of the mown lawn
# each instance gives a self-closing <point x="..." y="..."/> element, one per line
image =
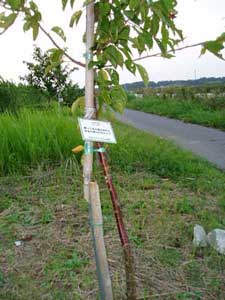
<point x="193" y="111"/>
<point x="164" y="191"/>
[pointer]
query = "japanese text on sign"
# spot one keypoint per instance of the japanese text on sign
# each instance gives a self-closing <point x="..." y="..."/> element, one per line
<point x="96" y="131"/>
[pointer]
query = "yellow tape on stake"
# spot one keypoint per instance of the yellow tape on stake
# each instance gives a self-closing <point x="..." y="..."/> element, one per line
<point x="87" y="149"/>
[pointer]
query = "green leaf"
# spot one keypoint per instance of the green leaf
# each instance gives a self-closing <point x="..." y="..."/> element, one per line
<point x="78" y="103"/>
<point x="124" y="34"/>
<point x="161" y="45"/>
<point x="72" y="3"/>
<point x="221" y="38"/>
<point x="59" y="32"/>
<point x="148" y="39"/>
<point x="7" y="21"/>
<point x="105" y="96"/>
<point x="35" y="28"/>
<point x="130" y="66"/>
<point x="143" y="73"/>
<point x="129" y="13"/>
<point x="165" y="36"/>
<point x="75" y="18"/>
<point x="64" y="3"/>
<point x="155" y="25"/>
<point x="133" y="4"/>
<point x="33" y="6"/>
<point x="115" y="77"/>
<point x="26" y="26"/>
<point x="214" y="47"/>
<point x="103" y="75"/>
<point x="144" y="9"/>
<point x="119" y="98"/>
<point x="104" y="9"/>
<point x="126" y="51"/>
<point x="140" y="43"/>
<point x="114" y="55"/>
<point x="15" y="4"/>
<point x="133" y="15"/>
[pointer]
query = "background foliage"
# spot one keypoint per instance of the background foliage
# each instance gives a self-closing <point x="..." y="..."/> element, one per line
<point x="120" y="27"/>
<point x="13" y="96"/>
<point x="52" y="79"/>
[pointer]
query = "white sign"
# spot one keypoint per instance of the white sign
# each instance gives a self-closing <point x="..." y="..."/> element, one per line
<point x="96" y="131"/>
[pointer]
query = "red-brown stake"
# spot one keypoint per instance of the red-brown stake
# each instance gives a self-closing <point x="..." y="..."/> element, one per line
<point x="129" y="262"/>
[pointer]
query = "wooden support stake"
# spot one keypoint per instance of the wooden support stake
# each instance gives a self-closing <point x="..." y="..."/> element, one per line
<point x="91" y="191"/>
<point x="99" y="245"/>
<point x="89" y="94"/>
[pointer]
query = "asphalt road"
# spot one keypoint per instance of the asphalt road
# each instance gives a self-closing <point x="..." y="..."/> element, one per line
<point x="206" y="142"/>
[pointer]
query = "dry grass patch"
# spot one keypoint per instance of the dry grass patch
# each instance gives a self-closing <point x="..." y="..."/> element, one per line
<point x="55" y="260"/>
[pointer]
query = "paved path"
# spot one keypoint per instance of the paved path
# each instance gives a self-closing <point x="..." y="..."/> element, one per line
<point x="206" y="142"/>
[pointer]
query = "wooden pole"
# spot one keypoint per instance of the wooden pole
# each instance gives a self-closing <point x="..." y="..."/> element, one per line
<point x="91" y="191"/>
<point x="99" y="245"/>
<point x="88" y="166"/>
<point x="89" y="96"/>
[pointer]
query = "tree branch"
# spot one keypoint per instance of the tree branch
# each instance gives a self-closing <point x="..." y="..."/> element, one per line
<point x="159" y="54"/>
<point x="57" y="46"/>
<point x="170" y="51"/>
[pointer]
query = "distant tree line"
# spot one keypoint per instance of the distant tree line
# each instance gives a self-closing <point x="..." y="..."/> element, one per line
<point x="210" y="94"/>
<point x="167" y="83"/>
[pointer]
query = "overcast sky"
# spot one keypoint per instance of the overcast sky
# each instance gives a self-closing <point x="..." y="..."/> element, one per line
<point x="200" y="20"/>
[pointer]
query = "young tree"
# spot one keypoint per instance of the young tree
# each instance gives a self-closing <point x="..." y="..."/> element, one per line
<point x="50" y="77"/>
<point x="114" y="29"/>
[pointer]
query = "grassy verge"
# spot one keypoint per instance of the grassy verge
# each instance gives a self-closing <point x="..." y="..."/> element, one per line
<point x="192" y="111"/>
<point x="164" y="191"/>
<point x="56" y="261"/>
<point x="37" y="138"/>
<point x="139" y="150"/>
<point x="30" y="138"/>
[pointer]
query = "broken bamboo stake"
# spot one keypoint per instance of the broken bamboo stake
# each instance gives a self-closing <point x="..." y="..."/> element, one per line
<point x="99" y="244"/>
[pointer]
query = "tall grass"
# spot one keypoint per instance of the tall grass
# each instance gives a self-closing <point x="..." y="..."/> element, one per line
<point x="186" y="110"/>
<point x="35" y="138"/>
<point x="31" y="138"/>
<point x="140" y="151"/>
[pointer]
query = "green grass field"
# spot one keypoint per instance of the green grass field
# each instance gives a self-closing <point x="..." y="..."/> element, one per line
<point x="164" y="191"/>
<point x="193" y="111"/>
<point x="31" y="138"/>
